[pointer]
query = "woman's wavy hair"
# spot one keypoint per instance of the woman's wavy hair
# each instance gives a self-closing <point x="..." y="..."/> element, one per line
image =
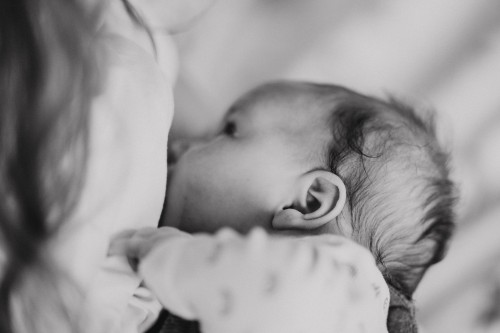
<point x="47" y="81"/>
<point x="48" y="78"/>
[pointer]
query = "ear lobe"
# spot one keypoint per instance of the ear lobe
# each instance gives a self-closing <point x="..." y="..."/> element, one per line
<point x="322" y="198"/>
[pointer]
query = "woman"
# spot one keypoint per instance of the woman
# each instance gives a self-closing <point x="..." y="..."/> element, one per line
<point x="84" y="122"/>
<point x="46" y="84"/>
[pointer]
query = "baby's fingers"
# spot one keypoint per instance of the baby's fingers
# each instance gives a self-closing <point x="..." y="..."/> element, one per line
<point x="119" y="242"/>
<point x="132" y="243"/>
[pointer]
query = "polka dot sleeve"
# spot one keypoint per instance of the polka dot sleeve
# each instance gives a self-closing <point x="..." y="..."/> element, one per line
<point x="263" y="284"/>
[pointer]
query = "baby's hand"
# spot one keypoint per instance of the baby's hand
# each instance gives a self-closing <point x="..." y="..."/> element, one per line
<point x="155" y="254"/>
<point x="137" y="244"/>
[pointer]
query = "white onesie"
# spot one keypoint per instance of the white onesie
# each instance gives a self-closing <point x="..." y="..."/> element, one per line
<point x="265" y="284"/>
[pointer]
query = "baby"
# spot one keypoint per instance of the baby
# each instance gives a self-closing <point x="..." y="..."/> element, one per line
<point x="281" y="161"/>
<point x="288" y="156"/>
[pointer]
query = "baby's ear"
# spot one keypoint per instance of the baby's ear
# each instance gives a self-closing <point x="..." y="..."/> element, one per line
<point x="321" y="197"/>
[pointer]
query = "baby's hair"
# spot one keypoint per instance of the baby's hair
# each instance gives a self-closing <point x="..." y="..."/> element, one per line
<point x="400" y="197"/>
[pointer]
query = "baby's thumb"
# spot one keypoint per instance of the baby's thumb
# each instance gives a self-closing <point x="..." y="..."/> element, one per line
<point x="121" y="244"/>
<point x="159" y="269"/>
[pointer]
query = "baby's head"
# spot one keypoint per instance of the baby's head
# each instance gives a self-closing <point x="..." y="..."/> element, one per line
<point x="312" y="159"/>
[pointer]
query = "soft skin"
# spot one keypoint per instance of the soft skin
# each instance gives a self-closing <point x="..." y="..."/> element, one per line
<point x="265" y="167"/>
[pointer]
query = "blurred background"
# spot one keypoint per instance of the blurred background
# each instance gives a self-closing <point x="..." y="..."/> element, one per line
<point x="443" y="54"/>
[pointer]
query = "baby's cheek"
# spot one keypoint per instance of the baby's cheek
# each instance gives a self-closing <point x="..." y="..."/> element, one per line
<point x="190" y="205"/>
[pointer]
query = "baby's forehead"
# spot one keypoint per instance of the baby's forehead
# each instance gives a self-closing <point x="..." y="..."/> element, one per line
<point x="285" y="110"/>
<point x="277" y="92"/>
<point x="281" y="99"/>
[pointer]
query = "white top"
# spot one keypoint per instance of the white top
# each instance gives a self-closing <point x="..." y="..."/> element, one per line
<point x="126" y="174"/>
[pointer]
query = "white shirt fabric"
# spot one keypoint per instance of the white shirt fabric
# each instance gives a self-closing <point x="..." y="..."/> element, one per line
<point x="124" y="187"/>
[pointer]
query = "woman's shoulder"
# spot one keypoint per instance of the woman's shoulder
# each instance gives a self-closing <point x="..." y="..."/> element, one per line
<point x="128" y="133"/>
